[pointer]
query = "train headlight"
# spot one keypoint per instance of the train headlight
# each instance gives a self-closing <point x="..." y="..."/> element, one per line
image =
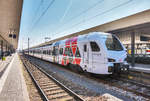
<point x="111" y="60"/>
<point x="125" y="59"/>
<point x="110" y="68"/>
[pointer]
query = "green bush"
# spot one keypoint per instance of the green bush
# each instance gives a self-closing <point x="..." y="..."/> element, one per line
<point x="3" y="58"/>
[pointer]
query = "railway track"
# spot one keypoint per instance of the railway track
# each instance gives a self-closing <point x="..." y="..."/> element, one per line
<point x="125" y="83"/>
<point x="140" y="76"/>
<point x="49" y="88"/>
<point x="130" y="85"/>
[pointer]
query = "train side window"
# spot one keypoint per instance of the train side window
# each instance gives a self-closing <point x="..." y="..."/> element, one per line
<point x="85" y="48"/>
<point x="50" y="52"/>
<point x="44" y="52"/>
<point x="70" y="52"/>
<point x="94" y="47"/>
<point x="61" y="51"/>
<point x="53" y="52"/>
<point x="57" y="51"/>
<point x="66" y="51"/>
<point x="77" y="53"/>
<point x="47" y="52"/>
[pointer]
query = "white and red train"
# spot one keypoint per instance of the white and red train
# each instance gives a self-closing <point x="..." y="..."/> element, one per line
<point x="96" y="52"/>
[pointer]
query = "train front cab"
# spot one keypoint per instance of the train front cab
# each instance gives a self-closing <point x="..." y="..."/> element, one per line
<point x="116" y="54"/>
<point x="103" y="54"/>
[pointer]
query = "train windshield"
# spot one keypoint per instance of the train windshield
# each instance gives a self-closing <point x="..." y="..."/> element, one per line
<point x="112" y="43"/>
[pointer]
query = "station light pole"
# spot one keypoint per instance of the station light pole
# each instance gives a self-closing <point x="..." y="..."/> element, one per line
<point x="28" y="45"/>
<point x="133" y="48"/>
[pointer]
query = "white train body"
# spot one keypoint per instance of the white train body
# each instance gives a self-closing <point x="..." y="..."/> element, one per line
<point x="96" y="52"/>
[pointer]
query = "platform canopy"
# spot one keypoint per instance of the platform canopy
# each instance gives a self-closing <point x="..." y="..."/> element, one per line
<point x="138" y="21"/>
<point x="10" y="16"/>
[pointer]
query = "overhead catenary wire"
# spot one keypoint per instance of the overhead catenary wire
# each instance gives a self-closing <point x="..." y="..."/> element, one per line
<point x="97" y="15"/>
<point x="91" y="7"/>
<point x="43" y="13"/>
<point x="37" y="10"/>
<point x="65" y="13"/>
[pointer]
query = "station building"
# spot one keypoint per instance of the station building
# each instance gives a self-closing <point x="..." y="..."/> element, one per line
<point x="10" y="16"/>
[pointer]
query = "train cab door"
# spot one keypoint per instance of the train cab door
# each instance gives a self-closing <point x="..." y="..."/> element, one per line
<point x="86" y="56"/>
<point x="96" y="55"/>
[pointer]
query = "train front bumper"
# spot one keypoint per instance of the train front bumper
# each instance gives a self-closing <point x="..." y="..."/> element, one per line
<point x="119" y="68"/>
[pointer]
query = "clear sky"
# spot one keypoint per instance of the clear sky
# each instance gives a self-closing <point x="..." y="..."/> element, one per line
<point x="57" y="18"/>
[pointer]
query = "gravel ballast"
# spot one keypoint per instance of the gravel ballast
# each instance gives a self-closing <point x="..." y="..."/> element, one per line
<point x="86" y="87"/>
<point x="32" y="90"/>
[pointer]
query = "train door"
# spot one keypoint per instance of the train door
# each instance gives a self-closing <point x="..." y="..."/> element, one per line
<point x="96" y="55"/>
<point x="40" y="55"/>
<point x="60" y="54"/>
<point x="86" y="56"/>
<point x="57" y="54"/>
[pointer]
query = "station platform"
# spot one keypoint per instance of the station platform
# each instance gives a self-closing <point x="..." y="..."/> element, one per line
<point x="12" y="83"/>
<point x="4" y="64"/>
<point x="141" y="67"/>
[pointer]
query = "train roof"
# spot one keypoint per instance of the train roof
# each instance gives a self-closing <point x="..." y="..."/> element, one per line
<point x="92" y="35"/>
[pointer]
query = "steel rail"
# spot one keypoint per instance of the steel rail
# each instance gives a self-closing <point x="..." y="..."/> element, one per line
<point x="44" y="97"/>
<point x="125" y="80"/>
<point x="132" y="83"/>
<point x="70" y="92"/>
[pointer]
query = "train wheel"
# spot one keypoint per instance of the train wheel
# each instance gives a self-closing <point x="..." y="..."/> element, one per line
<point x="79" y="69"/>
<point x="70" y="67"/>
<point x="75" y="68"/>
<point x="87" y="73"/>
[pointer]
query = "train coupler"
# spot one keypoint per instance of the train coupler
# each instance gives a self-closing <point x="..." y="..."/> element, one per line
<point x="121" y="68"/>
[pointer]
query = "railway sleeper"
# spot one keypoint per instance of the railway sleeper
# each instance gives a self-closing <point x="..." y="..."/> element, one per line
<point x="55" y="91"/>
<point x="43" y="79"/>
<point x="58" y="96"/>
<point x="45" y="82"/>
<point x="133" y="87"/>
<point x="49" y="86"/>
<point x="142" y="90"/>
<point x="52" y="89"/>
<point x="68" y="98"/>
<point x="40" y="76"/>
<point x="147" y="92"/>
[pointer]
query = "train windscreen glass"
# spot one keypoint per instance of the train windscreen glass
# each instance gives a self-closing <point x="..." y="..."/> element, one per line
<point x="112" y="43"/>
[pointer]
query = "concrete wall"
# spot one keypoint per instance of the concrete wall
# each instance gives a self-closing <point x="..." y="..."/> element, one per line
<point x="125" y="37"/>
